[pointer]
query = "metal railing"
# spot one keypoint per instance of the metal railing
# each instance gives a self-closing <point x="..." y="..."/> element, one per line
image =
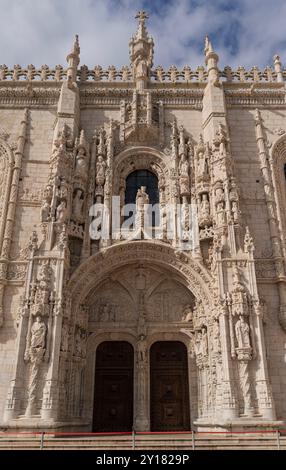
<point x="135" y="438"/>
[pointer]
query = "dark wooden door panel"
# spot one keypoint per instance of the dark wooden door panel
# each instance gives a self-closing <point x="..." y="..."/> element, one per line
<point x="113" y="398"/>
<point x="169" y="387"/>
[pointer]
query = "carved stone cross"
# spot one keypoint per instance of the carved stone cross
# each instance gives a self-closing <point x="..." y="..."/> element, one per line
<point x="142" y="16"/>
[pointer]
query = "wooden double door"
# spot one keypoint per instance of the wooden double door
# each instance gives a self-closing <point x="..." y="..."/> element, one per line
<point x="114" y="387"/>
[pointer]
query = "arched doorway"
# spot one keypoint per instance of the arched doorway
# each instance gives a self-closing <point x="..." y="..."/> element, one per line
<point x="169" y="388"/>
<point x="113" y="396"/>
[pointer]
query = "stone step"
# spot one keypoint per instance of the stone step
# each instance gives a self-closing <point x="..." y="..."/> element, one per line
<point x="147" y="442"/>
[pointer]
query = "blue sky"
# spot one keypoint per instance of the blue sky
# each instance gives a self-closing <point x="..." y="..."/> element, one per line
<point x="243" y="32"/>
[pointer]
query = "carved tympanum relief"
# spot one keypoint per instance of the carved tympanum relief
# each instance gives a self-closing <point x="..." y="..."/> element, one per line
<point x="133" y="290"/>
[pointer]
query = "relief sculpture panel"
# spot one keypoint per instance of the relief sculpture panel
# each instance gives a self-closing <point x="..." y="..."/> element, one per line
<point x="138" y="291"/>
<point x="112" y="303"/>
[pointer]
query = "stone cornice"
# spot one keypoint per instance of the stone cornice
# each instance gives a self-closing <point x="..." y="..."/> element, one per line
<point x="23" y="93"/>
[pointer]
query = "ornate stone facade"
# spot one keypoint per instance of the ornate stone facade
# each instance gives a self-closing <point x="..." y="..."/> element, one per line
<point x="212" y="138"/>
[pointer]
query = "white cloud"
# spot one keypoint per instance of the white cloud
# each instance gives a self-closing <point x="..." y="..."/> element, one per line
<point x="41" y="31"/>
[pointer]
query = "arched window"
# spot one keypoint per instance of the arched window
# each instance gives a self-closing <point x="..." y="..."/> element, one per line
<point x="139" y="178"/>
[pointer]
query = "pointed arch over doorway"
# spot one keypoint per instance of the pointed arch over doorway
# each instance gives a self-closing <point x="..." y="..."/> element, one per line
<point x="134" y="290"/>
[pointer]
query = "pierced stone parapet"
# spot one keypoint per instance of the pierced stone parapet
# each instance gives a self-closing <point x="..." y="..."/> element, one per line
<point x="124" y="74"/>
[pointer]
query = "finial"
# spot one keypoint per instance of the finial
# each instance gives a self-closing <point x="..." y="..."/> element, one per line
<point x="211" y="60"/>
<point x="141" y="32"/>
<point x="73" y="60"/>
<point x="208" y="46"/>
<point x="141" y="52"/>
<point x="76" y="47"/>
<point x="82" y="141"/>
<point x="278" y="68"/>
<point x="142" y="16"/>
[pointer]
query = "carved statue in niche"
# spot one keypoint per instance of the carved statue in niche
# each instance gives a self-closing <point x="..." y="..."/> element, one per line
<point x="220" y="141"/>
<point x="62" y="212"/>
<point x="216" y="337"/>
<point x="188" y="314"/>
<point x="81" y="163"/>
<point x="202" y="165"/>
<point x="141" y="350"/>
<point x="77" y="206"/>
<point x="128" y="112"/>
<point x="184" y="166"/>
<point x="237" y="285"/>
<point x="45" y="211"/>
<point x="80" y="342"/>
<point x="220" y="214"/>
<point x="210" y="258"/>
<point x="41" y="291"/>
<point x="142" y="198"/>
<point x="233" y="195"/>
<point x="248" y="241"/>
<point x="63" y="191"/>
<point x="204" y="210"/>
<point x="35" y="354"/>
<point x="234" y="211"/>
<point x="242" y="333"/>
<point x="204" y="342"/>
<point x="38" y="334"/>
<point x="46" y="205"/>
<point x="100" y="171"/>
<point x="141" y="68"/>
<point x="219" y="195"/>
<point x="201" y="344"/>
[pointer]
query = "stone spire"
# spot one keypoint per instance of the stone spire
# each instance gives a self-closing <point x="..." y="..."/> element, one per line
<point x="141" y="31"/>
<point x="141" y="52"/>
<point x="73" y="60"/>
<point x="211" y="59"/>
